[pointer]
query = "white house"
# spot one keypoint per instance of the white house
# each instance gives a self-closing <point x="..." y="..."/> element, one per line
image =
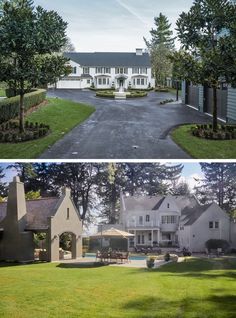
<point x="173" y="221"/>
<point x="106" y="70"/>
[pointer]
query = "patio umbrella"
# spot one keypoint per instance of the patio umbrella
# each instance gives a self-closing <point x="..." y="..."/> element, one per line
<point x="112" y="233"/>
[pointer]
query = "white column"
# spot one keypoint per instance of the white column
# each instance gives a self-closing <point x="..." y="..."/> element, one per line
<point x="152" y="238"/>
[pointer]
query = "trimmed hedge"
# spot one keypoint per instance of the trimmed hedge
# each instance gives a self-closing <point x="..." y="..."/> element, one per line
<point x="110" y="94"/>
<point x="9" y="107"/>
<point x="214" y="244"/>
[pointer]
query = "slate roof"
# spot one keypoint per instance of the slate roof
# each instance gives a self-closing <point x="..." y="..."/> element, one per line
<point x="141" y="203"/>
<point x="38" y="212"/>
<point x="193" y="213"/>
<point x="110" y="59"/>
<point x="154" y="202"/>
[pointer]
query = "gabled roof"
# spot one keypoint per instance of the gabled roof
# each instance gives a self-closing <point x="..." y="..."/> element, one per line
<point x="110" y="59"/>
<point x="154" y="202"/>
<point x="141" y="203"/>
<point x="38" y="212"/>
<point x="193" y="213"/>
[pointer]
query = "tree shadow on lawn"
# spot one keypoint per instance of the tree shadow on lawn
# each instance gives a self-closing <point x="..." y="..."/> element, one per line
<point x="150" y="306"/>
<point x="81" y="265"/>
<point x="197" y="268"/>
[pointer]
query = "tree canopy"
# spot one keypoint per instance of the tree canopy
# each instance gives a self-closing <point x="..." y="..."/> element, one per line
<point x="208" y="38"/>
<point x="29" y="39"/>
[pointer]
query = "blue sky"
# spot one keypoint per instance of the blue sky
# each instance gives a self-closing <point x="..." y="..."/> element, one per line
<point x="112" y="25"/>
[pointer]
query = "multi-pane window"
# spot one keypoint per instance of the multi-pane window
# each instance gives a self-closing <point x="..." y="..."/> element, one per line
<point x="103" y="70"/>
<point x="85" y="70"/>
<point x="121" y="70"/>
<point x="169" y="219"/>
<point x="88" y="81"/>
<point x="149" y="236"/>
<point x="138" y="81"/>
<point x="140" y="220"/>
<point x="74" y="70"/>
<point x="103" y="81"/>
<point x="142" y="81"/>
<point x="139" y="70"/>
<point x="213" y="225"/>
<point x="147" y="218"/>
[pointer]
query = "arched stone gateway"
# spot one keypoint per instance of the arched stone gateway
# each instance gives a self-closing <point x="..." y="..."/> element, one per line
<point x="21" y="219"/>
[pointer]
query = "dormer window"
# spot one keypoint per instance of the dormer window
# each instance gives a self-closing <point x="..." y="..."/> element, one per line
<point x="67" y="213"/>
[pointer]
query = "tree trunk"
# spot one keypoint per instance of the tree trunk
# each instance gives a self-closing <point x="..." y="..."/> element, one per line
<point x="177" y="91"/>
<point x="215" y="114"/>
<point x="21" y="115"/>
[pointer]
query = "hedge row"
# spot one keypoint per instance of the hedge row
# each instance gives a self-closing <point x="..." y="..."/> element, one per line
<point x="9" y="107"/>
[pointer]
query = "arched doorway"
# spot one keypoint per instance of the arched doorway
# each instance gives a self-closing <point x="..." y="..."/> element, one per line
<point x="67" y="246"/>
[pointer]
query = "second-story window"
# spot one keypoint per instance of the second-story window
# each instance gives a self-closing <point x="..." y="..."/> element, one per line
<point x="140" y="220"/>
<point x="168" y="205"/>
<point x="74" y="70"/>
<point x="121" y="70"/>
<point x="85" y="70"/>
<point x="147" y="218"/>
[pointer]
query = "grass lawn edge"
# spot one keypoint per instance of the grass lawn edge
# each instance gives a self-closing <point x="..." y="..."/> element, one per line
<point x="199" y="148"/>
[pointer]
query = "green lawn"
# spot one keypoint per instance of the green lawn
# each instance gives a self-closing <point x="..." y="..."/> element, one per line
<point x="196" y="288"/>
<point x="61" y="115"/>
<point x="201" y="148"/>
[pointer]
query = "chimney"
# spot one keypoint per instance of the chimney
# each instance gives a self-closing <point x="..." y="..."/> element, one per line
<point x="139" y="52"/>
<point x="16" y="205"/>
<point x="66" y="192"/>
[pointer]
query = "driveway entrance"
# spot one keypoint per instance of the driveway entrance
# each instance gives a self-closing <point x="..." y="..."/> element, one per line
<point x="130" y="129"/>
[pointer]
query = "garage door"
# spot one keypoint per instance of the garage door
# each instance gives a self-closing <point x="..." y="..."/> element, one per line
<point x="222" y="95"/>
<point x="69" y="84"/>
<point x="192" y="95"/>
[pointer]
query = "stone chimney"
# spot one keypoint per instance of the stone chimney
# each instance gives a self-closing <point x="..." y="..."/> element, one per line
<point x="16" y="205"/>
<point x="139" y="52"/>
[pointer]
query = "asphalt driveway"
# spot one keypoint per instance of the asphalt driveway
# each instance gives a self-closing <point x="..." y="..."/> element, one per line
<point x="131" y="129"/>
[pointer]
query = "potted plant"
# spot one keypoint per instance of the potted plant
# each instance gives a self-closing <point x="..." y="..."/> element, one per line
<point x="150" y="262"/>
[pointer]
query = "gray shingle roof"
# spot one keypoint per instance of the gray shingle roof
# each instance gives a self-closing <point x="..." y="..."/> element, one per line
<point x="110" y="59"/>
<point x="141" y="203"/>
<point x="193" y="213"/>
<point x="38" y="212"/>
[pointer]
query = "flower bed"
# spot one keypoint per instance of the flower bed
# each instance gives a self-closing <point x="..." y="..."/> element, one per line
<point x="224" y="132"/>
<point x="9" y="132"/>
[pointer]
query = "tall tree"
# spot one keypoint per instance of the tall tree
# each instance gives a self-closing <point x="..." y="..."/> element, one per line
<point x="69" y="46"/>
<point x="160" y="45"/>
<point x="162" y="34"/>
<point x="29" y="37"/>
<point x="111" y="184"/>
<point x="208" y="37"/>
<point x="219" y="184"/>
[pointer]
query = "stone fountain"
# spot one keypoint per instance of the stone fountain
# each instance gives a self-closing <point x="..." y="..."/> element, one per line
<point x="121" y="94"/>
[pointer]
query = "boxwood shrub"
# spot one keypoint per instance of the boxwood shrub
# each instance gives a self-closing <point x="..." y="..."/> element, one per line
<point x="9" y="107"/>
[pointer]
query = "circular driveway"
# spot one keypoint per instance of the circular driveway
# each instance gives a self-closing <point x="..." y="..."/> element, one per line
<point x="130" y="129"/>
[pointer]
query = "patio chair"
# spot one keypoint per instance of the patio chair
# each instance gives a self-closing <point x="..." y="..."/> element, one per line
<point x="123" y="257"/>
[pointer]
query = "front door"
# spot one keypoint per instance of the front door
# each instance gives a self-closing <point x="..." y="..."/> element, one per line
<point x="121" y="83"/>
